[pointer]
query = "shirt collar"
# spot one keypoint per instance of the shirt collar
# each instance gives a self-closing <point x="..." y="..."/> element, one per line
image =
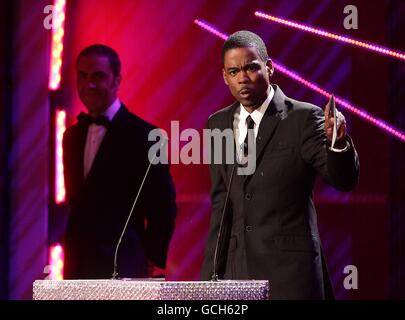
<point x="258" y="113"/>
<point x="113" y="109"/>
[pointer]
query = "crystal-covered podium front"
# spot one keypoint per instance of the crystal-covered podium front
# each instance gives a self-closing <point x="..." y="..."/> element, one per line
<point x="150" y="289"/>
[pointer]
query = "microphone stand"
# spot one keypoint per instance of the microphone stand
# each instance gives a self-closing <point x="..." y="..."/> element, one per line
<point x="214" y="276"/>
<point x="115" y="272"/>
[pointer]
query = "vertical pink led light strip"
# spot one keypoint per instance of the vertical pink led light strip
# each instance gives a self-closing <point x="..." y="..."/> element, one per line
<point x="60" y="127"/>
<point x="326" y="34"/>
<point x="58" y="19"/>
<point x="56" y="262"/>
<point x="346" y="105"/>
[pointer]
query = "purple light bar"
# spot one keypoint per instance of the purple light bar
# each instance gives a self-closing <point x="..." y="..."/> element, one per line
<point x="346" y="105"/>
<point x="342" y="102"/>
<point x="326" y="34"/>
<point x="210" y="28"/>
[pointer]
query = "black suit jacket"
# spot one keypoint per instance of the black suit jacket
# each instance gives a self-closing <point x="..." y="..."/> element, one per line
<point x="270" y="230"/>
<point x="99" y="206"/>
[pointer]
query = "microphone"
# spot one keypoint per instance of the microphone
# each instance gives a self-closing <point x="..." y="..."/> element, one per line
<point x="214" y="276"/>
<point x="115" y="271"/>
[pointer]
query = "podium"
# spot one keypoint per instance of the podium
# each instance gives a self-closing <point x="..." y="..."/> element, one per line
<point x="150" y="289"/>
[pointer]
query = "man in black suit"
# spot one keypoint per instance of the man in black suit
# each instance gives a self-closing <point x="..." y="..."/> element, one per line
<point x="105" y="159"/>
<point x="270" y="230"/>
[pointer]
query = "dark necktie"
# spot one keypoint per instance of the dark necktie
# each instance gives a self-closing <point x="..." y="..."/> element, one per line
<point x="87" y="120"/>
<point x="250" y="125"/>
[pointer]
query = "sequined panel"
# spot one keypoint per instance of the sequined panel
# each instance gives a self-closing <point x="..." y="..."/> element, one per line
<point x="150" y="290"/>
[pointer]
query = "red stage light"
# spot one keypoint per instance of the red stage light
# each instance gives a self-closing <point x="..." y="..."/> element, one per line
<point x="60" y="127"/>
<point x="56" y="257"/>
<point x="57" y="44"/>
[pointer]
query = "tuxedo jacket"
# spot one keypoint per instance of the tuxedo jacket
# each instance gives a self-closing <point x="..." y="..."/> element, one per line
<point x="101" y="203"/>
<point x="270" y="226"/>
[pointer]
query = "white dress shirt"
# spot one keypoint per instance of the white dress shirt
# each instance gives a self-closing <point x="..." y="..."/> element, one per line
<point x="239" y="121"/>
<point x="95" y="136"/>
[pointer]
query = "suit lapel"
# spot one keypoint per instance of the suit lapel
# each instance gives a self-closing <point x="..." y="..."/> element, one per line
<point x="78" y="152"/>
<point x="267" y="127"/>
<point x="231" y="114"/>
<point x="276" y="111"/>
<point x="229" y="125"/>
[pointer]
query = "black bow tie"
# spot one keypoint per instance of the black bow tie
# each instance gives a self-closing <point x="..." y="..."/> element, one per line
<point x="87" y="120"/>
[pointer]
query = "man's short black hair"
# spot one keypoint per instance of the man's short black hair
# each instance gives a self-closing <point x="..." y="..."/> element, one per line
<point x="105" y="51"/>
<point x="243" y="39"/>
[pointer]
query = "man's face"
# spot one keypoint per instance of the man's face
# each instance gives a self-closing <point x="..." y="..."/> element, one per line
<point x="247" y="76"/>
<point x="96" y="84"/>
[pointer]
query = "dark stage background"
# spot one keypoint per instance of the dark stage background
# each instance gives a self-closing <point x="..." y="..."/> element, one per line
<point x="172" y="71"/>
